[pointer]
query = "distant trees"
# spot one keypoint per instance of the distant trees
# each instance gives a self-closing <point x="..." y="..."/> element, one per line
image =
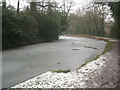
<point x="89" y="20"/>
<point x="42" y="21"/>
<point x="115" y="8"/>
<point x="66" y="8"/>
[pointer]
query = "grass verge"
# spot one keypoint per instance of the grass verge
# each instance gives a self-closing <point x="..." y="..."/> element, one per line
<point x="60" y="71"/>
<point x="108" y="47"/>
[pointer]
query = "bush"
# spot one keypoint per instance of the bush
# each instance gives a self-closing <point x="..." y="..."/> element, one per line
<point x="25" y="28"/>
<point x="14" y="27"/>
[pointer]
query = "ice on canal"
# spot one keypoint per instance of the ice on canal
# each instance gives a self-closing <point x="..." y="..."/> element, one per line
<point x="26" y="62"/>
<point x="75" y="79"/>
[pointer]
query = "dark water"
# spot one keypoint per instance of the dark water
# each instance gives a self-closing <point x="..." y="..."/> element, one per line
<point x="28" y="61"/>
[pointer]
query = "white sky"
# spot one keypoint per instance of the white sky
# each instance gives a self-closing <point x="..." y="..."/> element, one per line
<point x="78" y="3"/>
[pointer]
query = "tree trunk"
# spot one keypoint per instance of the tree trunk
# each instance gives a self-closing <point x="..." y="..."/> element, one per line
<point x="102" y="32"/>
<point x="4" y="4"/>
<point x="18" y="6"/>
<point x="33" y="8"/>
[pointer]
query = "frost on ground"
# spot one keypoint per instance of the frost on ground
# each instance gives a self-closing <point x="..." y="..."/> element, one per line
<point x="101" y="73"/>
<point x="76" y="79"/>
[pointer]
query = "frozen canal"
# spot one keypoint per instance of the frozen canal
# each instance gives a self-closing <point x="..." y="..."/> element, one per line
<point x="66" y="53"/>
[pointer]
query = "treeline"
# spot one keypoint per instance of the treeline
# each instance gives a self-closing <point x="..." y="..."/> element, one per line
<point x="39" y="22"/>
<point x="115" y="29"/>
<point x="95" y="21"/>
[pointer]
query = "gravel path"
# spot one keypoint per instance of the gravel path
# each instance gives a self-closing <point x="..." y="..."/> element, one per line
<point x="101" y="73"/>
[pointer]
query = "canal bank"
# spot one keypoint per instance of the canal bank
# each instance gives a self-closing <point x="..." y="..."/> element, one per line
<point x="100" y="73"/>
<point x="67" y="53"/>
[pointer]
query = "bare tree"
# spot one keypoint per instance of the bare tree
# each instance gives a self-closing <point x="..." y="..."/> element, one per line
<point x="67" y="6"/>
<point x="33" y="7"/>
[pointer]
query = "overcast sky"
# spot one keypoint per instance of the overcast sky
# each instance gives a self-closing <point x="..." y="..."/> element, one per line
<point x="23" y="3"/>
<point x="78" y="3"/>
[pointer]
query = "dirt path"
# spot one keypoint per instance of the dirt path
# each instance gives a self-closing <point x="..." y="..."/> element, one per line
<point x="107" y="75"/>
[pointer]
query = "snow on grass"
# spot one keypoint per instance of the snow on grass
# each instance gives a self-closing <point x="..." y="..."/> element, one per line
<point x="75" y="79"/>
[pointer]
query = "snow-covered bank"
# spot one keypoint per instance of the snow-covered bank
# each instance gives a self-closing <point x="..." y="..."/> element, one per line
<point x="76" y="79"/>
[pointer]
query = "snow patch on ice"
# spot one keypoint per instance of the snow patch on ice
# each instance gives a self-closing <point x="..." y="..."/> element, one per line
<point x="68" y="37"/>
